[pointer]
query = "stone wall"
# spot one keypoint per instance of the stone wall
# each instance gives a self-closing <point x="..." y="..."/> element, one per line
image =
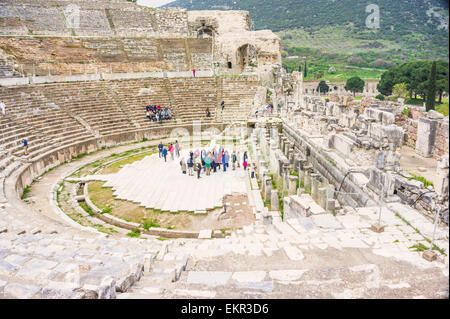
<point x="44" y="56"/>
<point x="428" y="132"/>
<point x="144" y="39"/>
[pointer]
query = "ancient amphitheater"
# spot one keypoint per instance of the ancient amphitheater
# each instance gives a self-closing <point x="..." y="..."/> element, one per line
<point x="328" y="207"/>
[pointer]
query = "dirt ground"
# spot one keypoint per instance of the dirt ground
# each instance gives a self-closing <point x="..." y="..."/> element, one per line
<point x="410" y="161"/>
<point x="237" y="215"/>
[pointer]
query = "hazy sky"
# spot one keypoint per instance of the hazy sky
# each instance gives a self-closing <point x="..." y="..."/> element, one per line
<point x="154" y="3"/>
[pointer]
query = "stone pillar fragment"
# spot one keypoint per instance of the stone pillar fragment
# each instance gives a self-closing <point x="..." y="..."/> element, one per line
<point x="426" y="136"/>
<point x="331" y="208"/>
<point x="267" y="188"/>
<point x="314" y="187"/>
<point x="322" y="197"/>
<point x="274" y="204"/>
<point x="307" y="181"/>
<point x="292" y="184"/>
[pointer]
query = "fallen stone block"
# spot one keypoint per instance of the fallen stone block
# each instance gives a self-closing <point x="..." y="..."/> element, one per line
<point x="429" y="255"/>
<point x="125" y="283"/>
<point x="107" y="289"/>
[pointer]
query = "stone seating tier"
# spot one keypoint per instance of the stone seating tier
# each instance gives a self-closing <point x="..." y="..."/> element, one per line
<point x="51" y="115"/>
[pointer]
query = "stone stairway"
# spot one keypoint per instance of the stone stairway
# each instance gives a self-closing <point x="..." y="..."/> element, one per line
<point x="305" y="261"/>
<point x="166" y="268"/>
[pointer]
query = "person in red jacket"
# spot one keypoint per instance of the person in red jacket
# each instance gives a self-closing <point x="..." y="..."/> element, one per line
<point x="193" y="72"/>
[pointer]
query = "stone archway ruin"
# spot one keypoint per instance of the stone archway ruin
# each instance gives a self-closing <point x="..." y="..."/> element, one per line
<point x="246" y="55"/>
<point x="205" y="32"/>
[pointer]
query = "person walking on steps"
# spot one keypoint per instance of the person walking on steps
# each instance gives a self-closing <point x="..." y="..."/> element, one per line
<point x="245" y="165"/>
<point x="160" y="149"/>
<point x="25" y="146"/>
<point x="193" y="72"/>
<point x="245" y="157"/>
<point x="164" y="153"/>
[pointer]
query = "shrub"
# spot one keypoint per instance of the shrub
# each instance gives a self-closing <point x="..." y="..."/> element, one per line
<point x="150" y="224"/>
<point x="135" y="233"/>
<point x="422" y="179"/>
<point x="406" y="111"/>
<point x="106" y="210"/>
<point x="380" y="97"/>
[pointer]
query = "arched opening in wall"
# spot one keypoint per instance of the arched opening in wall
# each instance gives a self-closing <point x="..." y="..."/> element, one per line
<point x="230" y="65"/>
<point x="247" y="56"/>
<point x="204" y="33"/>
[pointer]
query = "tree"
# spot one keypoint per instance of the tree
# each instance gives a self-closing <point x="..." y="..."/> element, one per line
<point x="306" y="71"/>
<point x="415" y="75"/>
<point x="354" y="84"/>
<point x="323" y="87"/>
<point x="400" y="90"/>
<point x="431" y="96"/>
<point x="319" y="74"/>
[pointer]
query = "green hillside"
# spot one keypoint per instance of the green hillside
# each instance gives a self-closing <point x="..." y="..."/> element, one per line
<point x="332" y="33"/>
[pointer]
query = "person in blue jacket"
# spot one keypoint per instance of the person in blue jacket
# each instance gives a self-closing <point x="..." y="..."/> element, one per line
<point x="160" y="148"/>
<point x="164" y="153"/>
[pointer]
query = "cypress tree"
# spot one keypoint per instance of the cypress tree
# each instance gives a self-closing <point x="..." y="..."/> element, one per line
<point x="431" y="96"/>
<point x="306" y="72"/>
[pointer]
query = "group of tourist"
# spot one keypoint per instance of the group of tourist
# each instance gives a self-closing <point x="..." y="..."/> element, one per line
<point x="158" y="113"/>
<point x="268" y="110"/>
<point x="170" y="149"/>
<point x="202" y="160"/>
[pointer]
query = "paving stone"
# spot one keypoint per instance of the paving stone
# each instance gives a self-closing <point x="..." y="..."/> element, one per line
<point x="20" y="291"/>
<point x="209" y="278"/>
<point x="287" y="275"/>
<point x="265" y="286"/>
<point x="249" y="276"/>
<point x="195" y="293"/>
<point x="326" y="221"/>
<point x="293" y="253"/>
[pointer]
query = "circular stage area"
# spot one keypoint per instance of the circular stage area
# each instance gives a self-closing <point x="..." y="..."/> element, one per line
<point x="155" y="184"/>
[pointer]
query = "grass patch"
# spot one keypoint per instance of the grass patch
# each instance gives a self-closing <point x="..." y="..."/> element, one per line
<point x="26" y="192"/>
<point x="422" y="179"/>
<point x="135" y="233"/>
<point x="106" y="210"/>
<point x="86" y="208"/>
<point x="151" y="224"/>
<point x="419" y="247"/>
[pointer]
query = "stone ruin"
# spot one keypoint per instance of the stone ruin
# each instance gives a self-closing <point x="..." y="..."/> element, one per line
<point x="364" y="136"/>
<point x="46" y="38"/>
